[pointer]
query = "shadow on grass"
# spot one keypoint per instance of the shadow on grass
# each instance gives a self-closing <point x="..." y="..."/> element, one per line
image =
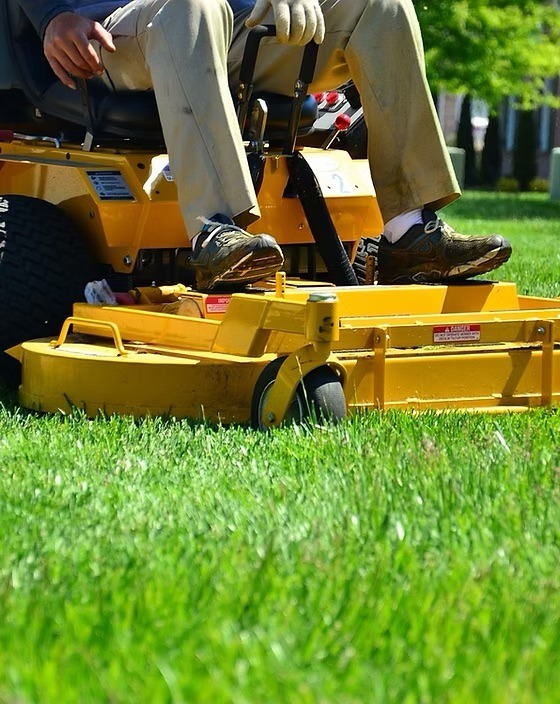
<point x="9" y="397"/>
<point x="489" y="205"/>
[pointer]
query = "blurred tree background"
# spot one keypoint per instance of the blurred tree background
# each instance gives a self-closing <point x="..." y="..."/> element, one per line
<point x="492" y="50"/>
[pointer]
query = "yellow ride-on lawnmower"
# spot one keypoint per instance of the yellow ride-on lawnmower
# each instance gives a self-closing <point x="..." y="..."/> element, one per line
<point x="86" y="194"/>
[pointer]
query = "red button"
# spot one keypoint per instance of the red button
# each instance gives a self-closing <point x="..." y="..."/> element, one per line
<point x="342" y="122"/>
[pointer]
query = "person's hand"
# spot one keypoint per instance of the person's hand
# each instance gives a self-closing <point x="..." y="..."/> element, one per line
<point x="68" y="48"/>
<point x="297" y="21"/>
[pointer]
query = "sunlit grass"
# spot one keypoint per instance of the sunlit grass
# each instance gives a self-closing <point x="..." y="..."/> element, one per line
<point x="395" y="557"/>
<point x="532" y="223"/>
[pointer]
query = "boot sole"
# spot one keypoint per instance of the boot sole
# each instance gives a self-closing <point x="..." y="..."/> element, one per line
<point x="254" y="266"/>
<point x="492" y="260"/>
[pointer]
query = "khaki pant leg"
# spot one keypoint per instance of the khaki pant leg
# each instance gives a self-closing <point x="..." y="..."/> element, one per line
<point x="180" y="48"/>
<point x="378" y="44"/>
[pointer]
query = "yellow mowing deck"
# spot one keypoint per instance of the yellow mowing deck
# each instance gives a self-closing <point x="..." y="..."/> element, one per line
<point x="477" y="346"/>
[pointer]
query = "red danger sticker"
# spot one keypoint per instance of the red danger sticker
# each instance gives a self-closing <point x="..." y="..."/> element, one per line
<point x="456" y="333"/>
<point x="217" y="304"/>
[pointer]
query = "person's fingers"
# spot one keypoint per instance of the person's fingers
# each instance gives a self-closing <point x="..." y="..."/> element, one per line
<point x="93" y="59"/>
<point x="310" y="26"/>
<point x="105" y="38"/>
<point x="298" y="19"/>
<point x="81" y="57"/>
<point x="69" y="49"/>
<point x="320" y="30"/>
<point x="61" y="73"/>
<point x="282" y="19"/>
<point x="258" y="14"/>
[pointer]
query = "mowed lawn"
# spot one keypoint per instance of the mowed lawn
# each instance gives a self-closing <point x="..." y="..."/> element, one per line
<point x="392" y="558"/>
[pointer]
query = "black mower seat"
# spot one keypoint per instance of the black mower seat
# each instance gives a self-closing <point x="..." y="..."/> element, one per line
<point x="134" y="114"/>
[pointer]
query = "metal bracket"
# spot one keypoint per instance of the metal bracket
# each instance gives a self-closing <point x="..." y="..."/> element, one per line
<point x="257" y="126"/>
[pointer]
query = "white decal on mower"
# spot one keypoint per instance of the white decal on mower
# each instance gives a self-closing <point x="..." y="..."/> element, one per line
<point x="110" y="185"/>
<point x="457" y="333"/>
<point x="167" y="173"/>
<point x="339" y="184"/>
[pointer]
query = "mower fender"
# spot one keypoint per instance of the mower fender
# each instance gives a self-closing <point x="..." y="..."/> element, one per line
<point x="344" y="180"/>
<point x="16" y="352"/>
<point x="293" y="370"/>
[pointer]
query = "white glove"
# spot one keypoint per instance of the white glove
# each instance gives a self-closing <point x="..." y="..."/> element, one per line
<point x="297" y="21"/>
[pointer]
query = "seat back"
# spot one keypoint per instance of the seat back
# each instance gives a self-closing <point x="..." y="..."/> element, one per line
<point x="7" y="77"/>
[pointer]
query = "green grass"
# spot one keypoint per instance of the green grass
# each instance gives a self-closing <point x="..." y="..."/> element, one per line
<point x="395" y="557"/>
<point x="532" y="223"/>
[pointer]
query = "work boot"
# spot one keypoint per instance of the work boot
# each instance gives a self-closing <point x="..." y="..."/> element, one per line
<point x="226" y="254"/>
<point x="434" y="253"/>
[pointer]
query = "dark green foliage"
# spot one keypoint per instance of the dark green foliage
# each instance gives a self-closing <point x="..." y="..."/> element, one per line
<point x="491" y="160"/>
<point x="525" y="149"/>
<point x="465" y="141"/>
<point x="491" y="48"/>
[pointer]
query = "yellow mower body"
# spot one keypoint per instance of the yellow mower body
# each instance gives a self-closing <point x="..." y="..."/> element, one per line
<point x="478" y="346"/>
<point x="199" y="355"/>
<point x="126" y="201"/>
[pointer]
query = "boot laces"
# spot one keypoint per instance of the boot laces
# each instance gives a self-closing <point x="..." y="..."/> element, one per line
<point x="438" y="224"/>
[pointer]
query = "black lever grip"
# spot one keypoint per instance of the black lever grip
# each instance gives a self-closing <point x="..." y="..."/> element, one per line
<point x="247" y="70"/>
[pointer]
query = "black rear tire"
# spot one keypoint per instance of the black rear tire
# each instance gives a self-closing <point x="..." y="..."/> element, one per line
<point x="44" y="266"/>
<point x="319" y="397"/>
<point x="365" y="261"/>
